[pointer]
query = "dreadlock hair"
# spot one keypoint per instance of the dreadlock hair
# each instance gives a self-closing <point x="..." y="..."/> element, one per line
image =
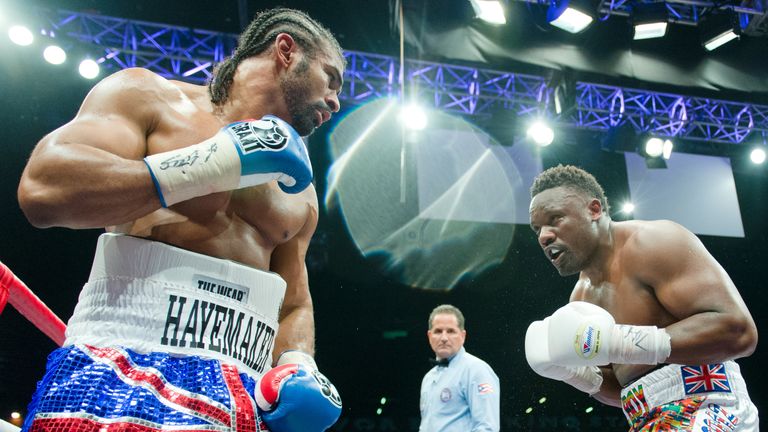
<point x="258" y="37"/>
<point x="571" y="177"/>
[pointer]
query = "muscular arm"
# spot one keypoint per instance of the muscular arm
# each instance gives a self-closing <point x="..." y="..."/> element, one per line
<point x="610" y="390"/>
<point x="713" y="323"/>
<point x="297" y="323"/>
<point x="89" y="173"/>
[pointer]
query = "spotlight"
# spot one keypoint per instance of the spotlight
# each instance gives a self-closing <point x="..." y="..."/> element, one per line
<point x="89" y="69"/>
<point x="655" y="147"/>
<point x="413" y="117"/>
<point x="757" y="156"/>
<point x="719" y="29"/>
<point x="53" y="54"/>
<point x="489" y="10"/>
<point x="656" y="152"/>
<point x="627" y="207"/>
<point x="666" y="149"/>
<point x="20" y="35"/>
<point x="570" y="15"/>
<point x="540" y="133"/>
<point x="650" y="20"/>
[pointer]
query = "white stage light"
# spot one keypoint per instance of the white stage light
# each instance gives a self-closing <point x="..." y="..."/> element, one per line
<point x="757" y="155"/>
<point x="650" y="20"/>
<point x="666" y="149"/>
<point x="717" y="29"/>
<point x="20" y="35"/>
<point x="54" y="54"/>
<point x="89" y="69"/>
<point x="413" y="117"/>
<point x="541" y="133"/>
<point x="650" y="30"/>
<point x="489" y="11"/>
<point x="572" y="20"/>
<point x="654" y="147"/>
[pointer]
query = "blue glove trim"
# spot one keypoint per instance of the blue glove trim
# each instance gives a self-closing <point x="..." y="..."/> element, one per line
<point x="157" y="185"/>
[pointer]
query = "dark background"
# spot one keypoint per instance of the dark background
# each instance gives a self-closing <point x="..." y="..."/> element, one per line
<point x="357" y="306"/>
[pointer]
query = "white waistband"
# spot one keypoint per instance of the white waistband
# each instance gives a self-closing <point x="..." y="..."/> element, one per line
<point x="150" y="296"/>
<point x="722" y="381"/>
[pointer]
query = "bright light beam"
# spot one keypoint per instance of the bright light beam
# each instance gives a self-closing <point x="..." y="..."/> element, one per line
<point x="54" y="54"/>
<point x="20" y="35"/>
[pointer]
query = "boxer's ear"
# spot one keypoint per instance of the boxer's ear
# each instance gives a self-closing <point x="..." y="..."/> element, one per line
<point x="285" y="49"/>
<point x="595" y="208"/>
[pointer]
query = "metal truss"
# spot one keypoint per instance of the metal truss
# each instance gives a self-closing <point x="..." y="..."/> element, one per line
<point x="189" y="55"/>
<point x="600" y="107"/>
<point x="688" y="11"/>
<point x="751" y="13"/>
<point x="171" y="51"/>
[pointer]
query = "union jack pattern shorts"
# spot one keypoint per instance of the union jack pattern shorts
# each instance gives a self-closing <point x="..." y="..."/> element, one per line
<point x="103" y="389"/>
<point x="690" y="398"/>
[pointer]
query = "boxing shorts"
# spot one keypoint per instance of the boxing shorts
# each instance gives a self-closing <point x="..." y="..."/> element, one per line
<point x="703" y="398"/>
<point x="161" y="339"/>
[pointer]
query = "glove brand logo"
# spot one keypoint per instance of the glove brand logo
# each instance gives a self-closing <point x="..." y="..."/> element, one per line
<point x="328" y="389"/>
<point x="587" y="341"/>
<point x="265" y="134"/>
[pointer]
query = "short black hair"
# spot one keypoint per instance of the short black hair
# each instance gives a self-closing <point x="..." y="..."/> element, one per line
<point x="257" y="38"/>
<point x="572" y="177"/>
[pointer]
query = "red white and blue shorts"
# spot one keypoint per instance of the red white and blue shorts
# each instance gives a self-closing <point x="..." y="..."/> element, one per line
<point x="112" y="389"/>
<point x="161" y="339"/>
<point x="703" y="398"/>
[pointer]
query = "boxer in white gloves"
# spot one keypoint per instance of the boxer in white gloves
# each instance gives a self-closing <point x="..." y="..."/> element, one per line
<point x="200" y="287"/>
<point x="654" y="322"/>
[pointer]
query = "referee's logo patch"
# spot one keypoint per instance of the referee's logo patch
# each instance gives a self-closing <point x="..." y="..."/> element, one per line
<point x="445" y="395"/>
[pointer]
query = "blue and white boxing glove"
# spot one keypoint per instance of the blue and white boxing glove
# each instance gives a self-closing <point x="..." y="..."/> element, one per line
<point x="297" y="398"/>
<point x="241" y="154"/>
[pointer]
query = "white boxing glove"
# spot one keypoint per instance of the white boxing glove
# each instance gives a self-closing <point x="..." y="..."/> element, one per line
<point x="585" y="378"/>
<point x="584" y="334"/>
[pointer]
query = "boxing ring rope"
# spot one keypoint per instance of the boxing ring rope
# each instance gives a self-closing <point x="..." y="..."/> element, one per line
<point x="7" y="427"/>
<point x="18" y="294"/>
<point x="14" y="291"/>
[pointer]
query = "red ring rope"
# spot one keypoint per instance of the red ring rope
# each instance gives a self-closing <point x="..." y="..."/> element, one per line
<point x="13" y="290"/>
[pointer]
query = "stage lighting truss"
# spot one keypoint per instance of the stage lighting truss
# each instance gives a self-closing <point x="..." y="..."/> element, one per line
<point x="189" y="54"/>
<point x="752" y="15"/>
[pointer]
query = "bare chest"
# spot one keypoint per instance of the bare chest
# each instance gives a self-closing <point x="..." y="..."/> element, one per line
<point x="245" y="225"/>
<point x="629" y="301"/>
